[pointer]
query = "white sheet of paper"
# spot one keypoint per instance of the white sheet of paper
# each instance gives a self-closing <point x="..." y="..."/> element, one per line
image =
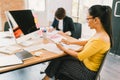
<point x="5" y="34"/>
<point x="9" y="60"/>
<point x="6" y="42"/>
<point x="9" y="49"/>
<point x="55" y="37"/>
<point x="72" y="46"/>
<point x="34" y="48"/>
<point x="52" y="48"/>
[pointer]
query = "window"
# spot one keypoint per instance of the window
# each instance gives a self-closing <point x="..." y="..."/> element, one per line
<point x="79" y="10"/>
<point x="80" y="7"/>
<point x="75" y="10"/>
<point x="36" y="5"/>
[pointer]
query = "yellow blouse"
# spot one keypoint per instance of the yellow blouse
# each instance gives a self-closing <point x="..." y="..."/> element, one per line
<point x="93" y="53"/>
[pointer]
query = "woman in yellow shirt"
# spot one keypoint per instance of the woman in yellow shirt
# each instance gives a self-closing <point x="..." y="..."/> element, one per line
<point x="84" y="64"/>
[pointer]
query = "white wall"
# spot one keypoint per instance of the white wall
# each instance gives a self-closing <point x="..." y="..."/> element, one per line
<point x="42" y="18"/>
<point x="47" y="16"/>
<point x="86" y="31"/>
<point x="0" y="24"/>
<point x="0" y="21"/>
<point x="52" y="5"/>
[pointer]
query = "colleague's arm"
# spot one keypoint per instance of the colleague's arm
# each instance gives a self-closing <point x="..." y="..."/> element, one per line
<point x="55" y="23"/>
<point x="71" y="24"/>
<point x="68" y="25"/>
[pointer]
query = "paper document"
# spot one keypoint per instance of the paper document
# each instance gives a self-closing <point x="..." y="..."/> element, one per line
<point x="6" y="41"/>
<point x="52" y="48"/>
<point x="5" y="34"/>
<point x="9" y="60"/>
<point x="34" y="48"/>
<point x="28" y="43"/>
<point x="56" y="37"/>
<point x="72" y="46"/>
<point x="49" y="47"/>
<point x="10" y="49"/>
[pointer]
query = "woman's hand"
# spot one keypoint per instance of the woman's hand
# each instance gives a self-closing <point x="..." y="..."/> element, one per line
<point x="67" y="51"/>
<point x="65" y="41"/>
<point x="60" y="46"/>
<point x="68" y="33"/>
<point x="61" y="33"/>
<point x="50" y="29"/>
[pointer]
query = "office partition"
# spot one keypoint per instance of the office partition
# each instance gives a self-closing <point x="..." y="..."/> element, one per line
<point x="116" y="26"/>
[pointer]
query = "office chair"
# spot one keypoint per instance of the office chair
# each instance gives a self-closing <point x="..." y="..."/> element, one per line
<point x="77" y="31"/>
<point x="100" y="68"/>
<point x="6" y="26"/>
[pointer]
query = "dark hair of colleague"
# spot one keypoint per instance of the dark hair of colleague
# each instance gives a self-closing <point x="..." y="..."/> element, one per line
<point x="60" y="13"/>
<point x="84" y="64"/>
<point x="68" y="25"/>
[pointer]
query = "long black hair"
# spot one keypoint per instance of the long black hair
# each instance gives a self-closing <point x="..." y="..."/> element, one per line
<point x="104" y="14"/>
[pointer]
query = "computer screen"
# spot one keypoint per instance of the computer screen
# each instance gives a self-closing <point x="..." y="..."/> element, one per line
<point x="21" y="24"/>
<point x="24" y="20"/>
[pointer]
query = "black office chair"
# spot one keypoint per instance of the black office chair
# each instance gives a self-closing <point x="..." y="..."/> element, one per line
<point x="6" y="26"/>
<point x="77" y="31"/>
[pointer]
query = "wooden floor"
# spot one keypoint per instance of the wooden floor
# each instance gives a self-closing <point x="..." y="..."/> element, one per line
<point x="110" y="71"/>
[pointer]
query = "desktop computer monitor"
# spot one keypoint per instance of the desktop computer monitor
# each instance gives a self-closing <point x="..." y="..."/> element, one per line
<point x="25" y="20"/>
<point x="21" y="23"/>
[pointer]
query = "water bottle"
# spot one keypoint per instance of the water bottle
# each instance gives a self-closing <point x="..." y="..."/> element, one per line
<point x="44" y="31"/>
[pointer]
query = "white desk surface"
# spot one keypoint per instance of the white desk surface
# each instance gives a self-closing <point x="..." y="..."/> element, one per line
<point x="46" y="55"/>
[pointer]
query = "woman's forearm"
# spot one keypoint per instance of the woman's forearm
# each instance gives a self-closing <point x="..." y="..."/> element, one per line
<point x="82" y="43"/>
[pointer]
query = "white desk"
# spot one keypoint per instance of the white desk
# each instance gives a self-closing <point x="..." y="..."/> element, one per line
<point x="34" y="60"/>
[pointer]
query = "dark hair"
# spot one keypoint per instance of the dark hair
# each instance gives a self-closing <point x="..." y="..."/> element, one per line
<point x="60" y="13"/>
<point x="104" y="14"/>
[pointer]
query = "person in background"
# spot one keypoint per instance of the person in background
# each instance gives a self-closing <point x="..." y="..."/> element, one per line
<point x="84" y="64"/>
<point x="62" y="22"/>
